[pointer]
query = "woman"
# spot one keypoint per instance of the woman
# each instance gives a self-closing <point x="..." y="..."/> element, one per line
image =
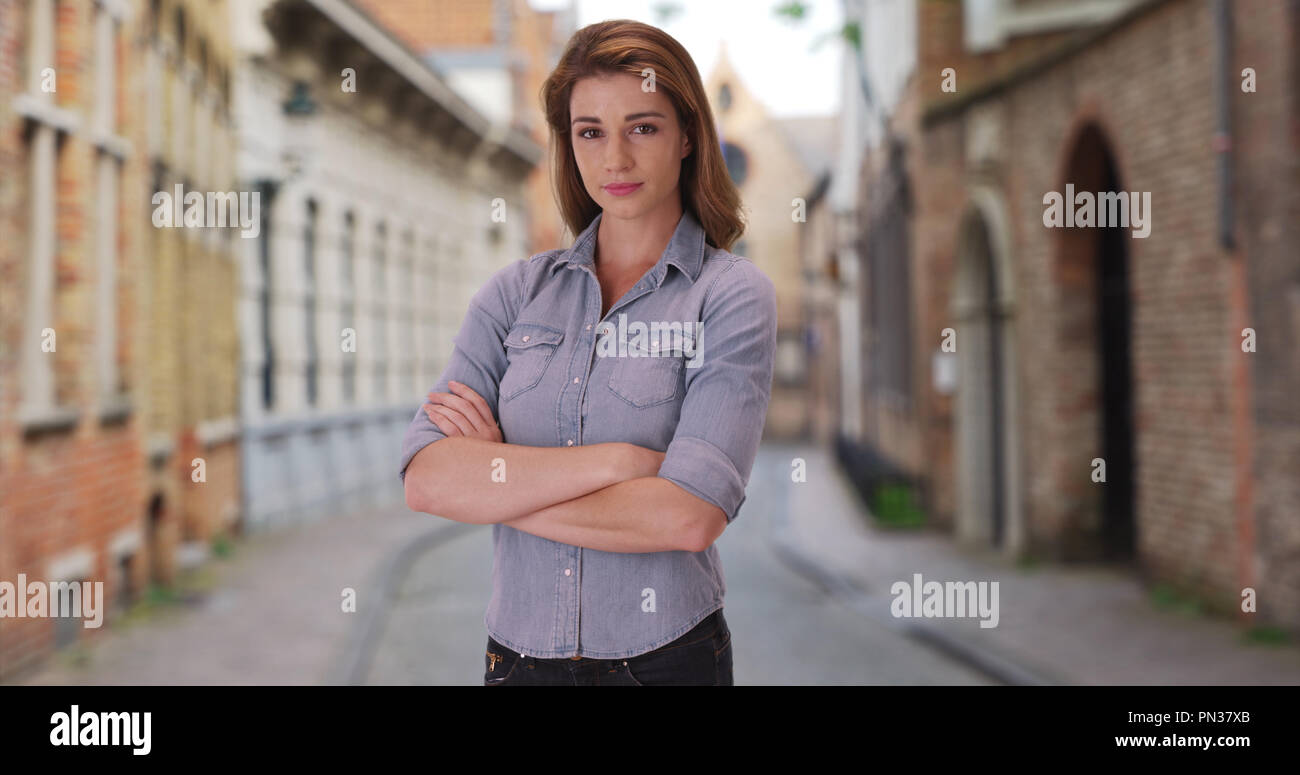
<point x="619" y="457"/>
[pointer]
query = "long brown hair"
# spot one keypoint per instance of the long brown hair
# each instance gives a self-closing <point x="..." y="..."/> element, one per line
<point x="626" y="46"/>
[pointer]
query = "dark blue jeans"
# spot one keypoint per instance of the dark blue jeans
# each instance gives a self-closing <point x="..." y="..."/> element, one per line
<point x="701" y="657"/>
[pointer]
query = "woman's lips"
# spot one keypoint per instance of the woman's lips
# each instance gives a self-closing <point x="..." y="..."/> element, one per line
<point x="622" y="189"/>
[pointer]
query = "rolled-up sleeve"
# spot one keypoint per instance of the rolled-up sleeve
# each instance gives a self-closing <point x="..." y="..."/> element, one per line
<point x="478" y="358"/>
<point x="721" y="423"/>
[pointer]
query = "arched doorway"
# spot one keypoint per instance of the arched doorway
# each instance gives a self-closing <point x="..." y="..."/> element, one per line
<point x="1094" y="339"/>
<point x="987" y="423"/>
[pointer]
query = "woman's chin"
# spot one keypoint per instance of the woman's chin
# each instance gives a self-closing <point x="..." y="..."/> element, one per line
<point x="621" y="208"/>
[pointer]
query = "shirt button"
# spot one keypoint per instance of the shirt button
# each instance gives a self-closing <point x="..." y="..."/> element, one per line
<point x="588" y="326"/>
<point x="575" y="380"/>
<point x="570" y="442"/>
<point x="568" y="571"/>
<point x="526" y="337"/>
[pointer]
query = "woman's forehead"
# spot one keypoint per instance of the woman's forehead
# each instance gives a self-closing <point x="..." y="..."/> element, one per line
<point x="615" y="92"/>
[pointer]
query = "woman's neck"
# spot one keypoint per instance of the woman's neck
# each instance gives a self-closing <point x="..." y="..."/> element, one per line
<point x="626" y="245"/>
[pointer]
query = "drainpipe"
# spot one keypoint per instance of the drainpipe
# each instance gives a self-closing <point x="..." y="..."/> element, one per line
<point x="1223" y="80"/>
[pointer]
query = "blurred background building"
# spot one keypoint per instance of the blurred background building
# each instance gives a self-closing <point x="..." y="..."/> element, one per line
<point x="495" y="54"/>
<point x="118" y="339"/>
<point x="768" y="158"/>
<point x="181" y="126"/>
<point x="361" y="274"/>
<point x="166" y="388"/>
<point x="1081" y="344"/>
<point x="72" y="471"/>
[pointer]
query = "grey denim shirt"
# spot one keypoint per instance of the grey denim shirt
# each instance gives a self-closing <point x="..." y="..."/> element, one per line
<point x="531" y="345"/>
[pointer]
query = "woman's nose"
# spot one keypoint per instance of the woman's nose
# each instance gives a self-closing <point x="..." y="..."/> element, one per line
<point x="616" y="156"/>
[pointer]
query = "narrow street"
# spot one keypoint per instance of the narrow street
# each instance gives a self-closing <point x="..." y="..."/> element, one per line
<point x="786" y="628"/>
<point x="808" y="600"/>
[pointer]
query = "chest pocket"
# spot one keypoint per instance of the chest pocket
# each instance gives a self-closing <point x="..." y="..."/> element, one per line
<point x="529" y="350"/>
<point x="645" y="377"/>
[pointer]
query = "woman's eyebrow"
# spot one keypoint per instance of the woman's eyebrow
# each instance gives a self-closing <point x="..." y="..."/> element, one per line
<point x="628" y="117"/>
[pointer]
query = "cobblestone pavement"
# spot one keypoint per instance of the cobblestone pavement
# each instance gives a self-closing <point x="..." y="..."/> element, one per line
<point x="808" y="601"/>
<point x="1057" y="624"/>
<point x="272" y="615"/>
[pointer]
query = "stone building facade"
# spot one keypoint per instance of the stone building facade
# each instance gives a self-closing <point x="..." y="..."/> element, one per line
<point x="774" y="162"/>
<point x="495" y="54"/>
<point x="387" y="201"/>
<point x="183" y="130"/>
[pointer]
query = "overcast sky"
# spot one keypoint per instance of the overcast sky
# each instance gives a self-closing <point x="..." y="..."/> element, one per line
<point x="772" y="56"/>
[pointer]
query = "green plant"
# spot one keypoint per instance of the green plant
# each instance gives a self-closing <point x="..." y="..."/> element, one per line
<point x="160" y="594"/>
<point x="1266" y="636"/>
<point x="222" y="546"/>
<point x="1168" y="598"/>
<point x="1028" y="561"/>
<point x="895" y="506"/>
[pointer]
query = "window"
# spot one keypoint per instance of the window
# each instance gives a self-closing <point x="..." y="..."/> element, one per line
<point x="107" y="176"/>
<point x="42" y="151"/>
<point x="724" y="97"/>
<point x="309" y="301"/>
<point x="981" y="24"/>
<point x="347" y="297"/>
<point x="737" y="162"/>
<point x="126" y="591"/>
<point x="264" y="299"/>
<point x="790" y="368"/>
<point x="888" y="249"/>
<point x="428" y="349"/>
<point x="66" y="607"/>
<point x="406" y="311"/>
<point x="379" y="311"/>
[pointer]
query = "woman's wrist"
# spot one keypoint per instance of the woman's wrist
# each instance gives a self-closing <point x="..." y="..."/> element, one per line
<point x="628" y="461"/>
<point x="619" y="459"/>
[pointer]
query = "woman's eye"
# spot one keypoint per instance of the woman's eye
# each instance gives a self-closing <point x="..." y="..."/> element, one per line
<point x="583" y="133"/>
<point x="650" y="127"/>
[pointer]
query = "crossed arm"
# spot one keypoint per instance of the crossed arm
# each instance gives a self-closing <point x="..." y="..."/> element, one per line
<point x="601" y="496"/>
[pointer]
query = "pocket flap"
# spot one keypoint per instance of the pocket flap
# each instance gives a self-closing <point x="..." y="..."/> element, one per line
<point x="529" y="334"/>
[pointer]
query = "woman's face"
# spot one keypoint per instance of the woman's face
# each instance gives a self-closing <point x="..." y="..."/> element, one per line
<point x="622" y="134"/>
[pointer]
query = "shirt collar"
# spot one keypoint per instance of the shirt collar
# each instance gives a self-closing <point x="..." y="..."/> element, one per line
<point x="685" y="250"/>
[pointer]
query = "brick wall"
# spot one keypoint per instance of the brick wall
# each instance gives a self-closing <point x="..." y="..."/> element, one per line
<point x="78" y="487"/>
<point x="1202" y="515"/>
<point x="1267" y="155"/>
<point x="426" y="24"/>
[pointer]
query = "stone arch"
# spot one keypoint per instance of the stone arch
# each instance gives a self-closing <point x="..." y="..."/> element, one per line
<point x="987" y="456"/>
<point x="1093" y="334"/>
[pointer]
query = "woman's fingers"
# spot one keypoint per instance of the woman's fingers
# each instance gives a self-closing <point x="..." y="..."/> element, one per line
<point x="450" y="418"/>
<point x="468" y="393"/>
<point x="440" y="422"/>
<point x="466" y="409"/>
<point x="462" y="407"/>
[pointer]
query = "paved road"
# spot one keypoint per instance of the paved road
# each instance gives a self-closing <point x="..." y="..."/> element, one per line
<point x="786" y="629"/>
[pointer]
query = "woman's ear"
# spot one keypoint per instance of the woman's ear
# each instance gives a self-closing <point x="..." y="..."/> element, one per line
<point x="686" y="146"/>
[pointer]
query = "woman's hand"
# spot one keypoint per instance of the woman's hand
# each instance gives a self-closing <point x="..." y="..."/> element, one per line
<point x="462" y="412"/>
